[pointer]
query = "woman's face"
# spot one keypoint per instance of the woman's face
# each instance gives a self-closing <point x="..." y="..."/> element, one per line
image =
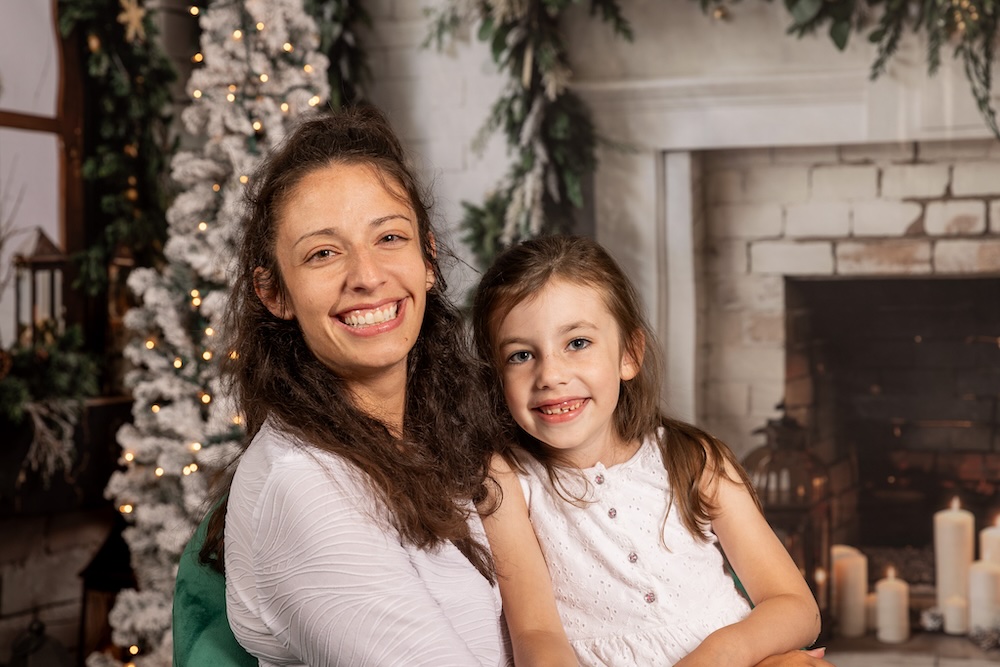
<point x="350" y="255"/>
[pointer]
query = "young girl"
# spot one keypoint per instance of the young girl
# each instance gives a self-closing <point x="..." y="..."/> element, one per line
<point x="629" y="507"/>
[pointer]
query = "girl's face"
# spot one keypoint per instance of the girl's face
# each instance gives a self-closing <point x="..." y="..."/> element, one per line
<point x="562" y="365"/>
<point x="356" y="279"/>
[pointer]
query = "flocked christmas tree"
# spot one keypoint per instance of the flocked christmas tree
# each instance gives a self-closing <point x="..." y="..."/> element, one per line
<point x="261" y="67"/>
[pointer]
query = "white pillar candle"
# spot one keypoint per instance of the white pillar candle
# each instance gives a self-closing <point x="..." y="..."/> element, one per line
<point x="853" y="585"/>
<point x="954" y="543"/>
<point x="956" y="615"/>
<point x="984" y="595"/>
<point x="989" y="543"/>
<point x="892" y="609"/>
<point x="837" y="551"/>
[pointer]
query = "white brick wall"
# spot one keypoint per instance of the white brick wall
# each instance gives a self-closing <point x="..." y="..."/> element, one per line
<point x="878" y="210"/>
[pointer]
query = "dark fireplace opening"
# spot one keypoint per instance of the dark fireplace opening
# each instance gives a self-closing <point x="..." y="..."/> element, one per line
<point x="898" y="383"/>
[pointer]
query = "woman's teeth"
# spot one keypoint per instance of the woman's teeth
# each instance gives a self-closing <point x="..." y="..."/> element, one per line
<point x="364" y="318"/>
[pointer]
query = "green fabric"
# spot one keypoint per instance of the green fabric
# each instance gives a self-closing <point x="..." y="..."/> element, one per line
<point x="202" y="637"/>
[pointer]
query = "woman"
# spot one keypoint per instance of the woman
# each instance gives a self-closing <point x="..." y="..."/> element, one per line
<point x="350" y="531"/>
<point x="351" y="535"/>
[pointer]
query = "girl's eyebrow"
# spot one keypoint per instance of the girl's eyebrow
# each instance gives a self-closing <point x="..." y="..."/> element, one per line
<point x="563" y="330"/>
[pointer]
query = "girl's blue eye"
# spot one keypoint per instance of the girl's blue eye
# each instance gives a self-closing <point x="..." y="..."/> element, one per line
<point x="519" y="357"/>
<point x="579" y="344"/>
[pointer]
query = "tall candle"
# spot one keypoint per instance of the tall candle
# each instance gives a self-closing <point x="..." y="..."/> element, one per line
<point x="892" y="613"/>
<point x="837" y="551"/>
<point x="956" y="615"/>
<point x="954" y="543"/>
<point x="989" y="542"/>
<point x="984" y="595"/>
<point x="853" y="588"/>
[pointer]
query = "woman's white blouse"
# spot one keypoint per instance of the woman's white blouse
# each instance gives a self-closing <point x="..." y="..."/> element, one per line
<point x="316" y="575"/>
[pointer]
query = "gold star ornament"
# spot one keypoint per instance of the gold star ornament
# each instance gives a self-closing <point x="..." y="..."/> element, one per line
<point x="131" y="17"/>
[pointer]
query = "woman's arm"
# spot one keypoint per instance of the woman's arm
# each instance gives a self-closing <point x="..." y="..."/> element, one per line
<point x="785" y="614"/>
<point x="536" y="632"/>
<point x="320" y="578"/>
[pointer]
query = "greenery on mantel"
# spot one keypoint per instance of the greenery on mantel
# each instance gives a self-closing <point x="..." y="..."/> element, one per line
<point x="549" y="130"/>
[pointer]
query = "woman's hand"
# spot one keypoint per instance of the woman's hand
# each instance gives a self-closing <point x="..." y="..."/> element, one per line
<point x="811" y="658"/>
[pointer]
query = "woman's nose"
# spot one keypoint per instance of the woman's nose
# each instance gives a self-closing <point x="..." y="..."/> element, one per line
<point x="365" y="272"/>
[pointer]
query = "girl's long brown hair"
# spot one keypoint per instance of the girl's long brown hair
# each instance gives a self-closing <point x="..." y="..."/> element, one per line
<point x="448" y="428"/>
<point x="691" y="456"/>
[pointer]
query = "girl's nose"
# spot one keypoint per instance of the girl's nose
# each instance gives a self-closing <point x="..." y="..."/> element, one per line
<point x="551" y="371"/>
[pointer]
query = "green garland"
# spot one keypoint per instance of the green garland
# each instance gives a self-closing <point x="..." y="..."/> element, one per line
<point x="550" y="131"/>
<point x="337" y="21"/>
<point x="127" y="140"/>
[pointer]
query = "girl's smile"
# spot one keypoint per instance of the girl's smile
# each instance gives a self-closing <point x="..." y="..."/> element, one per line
<point x="562" y="368"/>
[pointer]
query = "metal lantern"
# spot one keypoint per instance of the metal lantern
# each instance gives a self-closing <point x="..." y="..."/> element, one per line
<point x="39" y="281"/>
<point x="793" y="487"/>
<point x="34" y="648"/>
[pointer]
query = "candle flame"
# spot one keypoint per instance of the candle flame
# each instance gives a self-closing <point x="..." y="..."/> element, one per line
<point x="890" y="573"/>
<point x="955" y="504"/>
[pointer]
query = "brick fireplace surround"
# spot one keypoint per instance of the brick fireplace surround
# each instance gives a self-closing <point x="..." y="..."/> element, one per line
<point x="736" y="192"/>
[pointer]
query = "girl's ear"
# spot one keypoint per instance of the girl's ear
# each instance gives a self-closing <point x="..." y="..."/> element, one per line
<point x="269" y="296"/>
<point x="632" y="356"/>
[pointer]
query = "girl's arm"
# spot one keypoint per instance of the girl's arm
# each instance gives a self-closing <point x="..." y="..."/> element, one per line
<point x="785" y="614"/>
<point x="536" y="631"/>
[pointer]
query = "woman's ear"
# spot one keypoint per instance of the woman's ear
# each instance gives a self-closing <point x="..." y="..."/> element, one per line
<point x="632" y="356"/>
<point x="431" y="279"/>
<point x="269" y="294"/>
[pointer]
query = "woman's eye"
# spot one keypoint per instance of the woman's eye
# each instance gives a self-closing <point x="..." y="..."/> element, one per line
<point x="393" y="238"/>
<point x="579" y="344"/>
<point x="325" y="253"/>
<point x="519" y="357"/>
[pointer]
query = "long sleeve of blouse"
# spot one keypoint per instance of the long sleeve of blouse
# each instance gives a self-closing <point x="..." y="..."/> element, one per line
<point x="317" y="576"/>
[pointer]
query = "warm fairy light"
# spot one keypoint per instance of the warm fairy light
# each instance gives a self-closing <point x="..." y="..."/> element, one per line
<point x="284" y="107"/>
<point x="216" y="187"/>
<point x="150" y="344"/>
<point x="193" y="467"/>
<point x="287" y="47"/>
<point x="129" y="456"/>
<point x="194" y="292"/>
<point x="237" y="34"/>
<point x="158" y="472"/>
<point x="231" y="97"/>
<point x="237" y="420"/>
<point x="196" y="302"/>
<point x="196" y="94"/>
<point x="132" y="180"/>
<point x="257" y="126"/>
<point x="194" y="11"/>
<point x="125" y="509"/>
<point x="206" y="399"/>
<point x="133" y="649"/>
<point x="263" y="78"/>
<point x="197" y="58"/>
<point x="244" y="178"/>
<point x="260" y="25"/>
<point x="177" y="362"/>
<point x="155" y="408"/>
<point x="307" y="68"/>
<point x="186" y="470"/>
<point x="232" y="87"/>
<point x="206" y="355"/>
<point x="195" y="446"/>
<point x="314" y="100"/>
<point x="236" y="355"/>
<point x="202" y="226"/>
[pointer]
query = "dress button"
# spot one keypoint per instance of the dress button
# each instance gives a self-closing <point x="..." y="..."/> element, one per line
<point x="633" y="557"/>
<point x="612" y="512"/>
<point x="650" y="598"/>
<point x="599" y="479"/>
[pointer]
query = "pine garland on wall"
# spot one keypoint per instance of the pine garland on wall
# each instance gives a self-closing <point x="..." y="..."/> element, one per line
<point x="127" y="137"/>
<point x="549" y="130"/>
<point x="261" y="66"/>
